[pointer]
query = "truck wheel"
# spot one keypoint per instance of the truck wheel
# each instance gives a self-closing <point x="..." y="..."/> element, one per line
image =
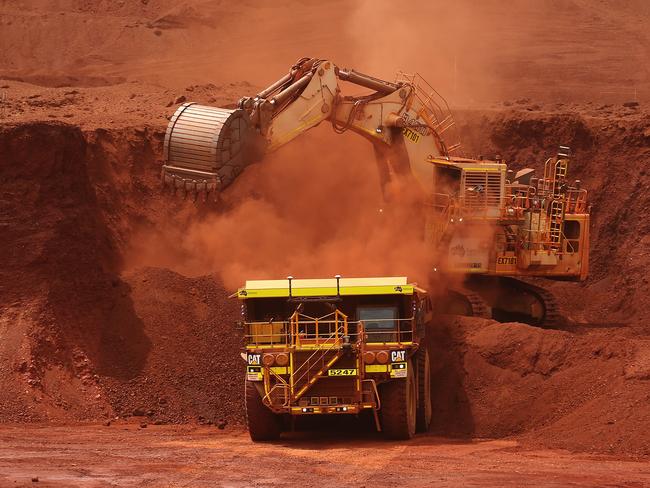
<point x="424" y="411"/>
<point x="398" y="406"/>
<point x="263" y="424"/>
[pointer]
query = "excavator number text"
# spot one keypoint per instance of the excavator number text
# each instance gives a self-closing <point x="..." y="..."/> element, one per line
<point x="411" y="135"/>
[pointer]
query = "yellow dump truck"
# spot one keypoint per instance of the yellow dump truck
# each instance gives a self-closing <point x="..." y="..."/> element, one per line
<point x="336" y="346"/>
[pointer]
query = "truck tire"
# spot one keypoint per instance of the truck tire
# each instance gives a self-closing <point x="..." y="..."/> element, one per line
<point x="399" y="405"/>
<point x="263" y="424"/>
<point x="424" y="410"/>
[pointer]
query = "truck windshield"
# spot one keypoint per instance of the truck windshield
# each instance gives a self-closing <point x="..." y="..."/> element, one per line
<point x="380" y="323"/>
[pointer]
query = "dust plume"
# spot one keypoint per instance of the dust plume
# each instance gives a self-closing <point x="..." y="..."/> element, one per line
<point x="456" y="46"/>
<point x="312" y="209"/>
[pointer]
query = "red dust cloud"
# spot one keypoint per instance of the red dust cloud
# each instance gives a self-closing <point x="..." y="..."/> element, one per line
<point x="314" y="208"/>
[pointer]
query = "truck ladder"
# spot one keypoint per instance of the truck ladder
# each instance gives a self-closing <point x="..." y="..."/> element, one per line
<point x="307" y="379"/>
<point x="327" y="344"/>
<point x="278" y="394"/>
<point x="555" y="172"/>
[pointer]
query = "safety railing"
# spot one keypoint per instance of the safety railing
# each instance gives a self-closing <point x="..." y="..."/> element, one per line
<point x="576" y="201"/>
<point x="443" y="211"/>
<point x="306" y="330"/>
<point x="401" y="332"/>
<point x="435" y="111"/>
<point x="518" y="200"/>
<point x="570" y="245"/>
<point x="318" y="333"/>
<point x="441" y="203"/>
<point x="267" y="333"/>
<point x="325" y="334"/>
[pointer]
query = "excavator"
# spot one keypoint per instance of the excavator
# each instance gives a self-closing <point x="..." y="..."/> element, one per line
<point x="493" y="231"/>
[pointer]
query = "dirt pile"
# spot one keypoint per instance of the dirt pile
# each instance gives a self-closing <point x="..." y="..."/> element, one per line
<point x="586" y="391"/>
<point x="76" y="339"/>
<point x="191" y="369"/>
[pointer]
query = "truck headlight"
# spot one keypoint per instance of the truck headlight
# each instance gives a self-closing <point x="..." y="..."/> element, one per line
<point x="282" y="359"/>
<point x="368" y="357"/>
<point x="382" y="357"/>
<point x="268" y="359"/>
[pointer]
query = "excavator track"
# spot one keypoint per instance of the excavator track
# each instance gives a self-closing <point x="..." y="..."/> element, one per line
<point x="466" y="302"/>
<point x="552" y="316"/>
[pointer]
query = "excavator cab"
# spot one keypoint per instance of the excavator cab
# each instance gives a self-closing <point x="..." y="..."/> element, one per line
<point x="494" y="225"/>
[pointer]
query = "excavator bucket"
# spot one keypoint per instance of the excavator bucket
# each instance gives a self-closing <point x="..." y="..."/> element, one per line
<point x="206" y="148"/>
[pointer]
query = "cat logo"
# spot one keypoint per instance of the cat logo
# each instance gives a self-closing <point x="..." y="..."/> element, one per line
<point x="397" y="356"/>
<point x="254" y="359"/>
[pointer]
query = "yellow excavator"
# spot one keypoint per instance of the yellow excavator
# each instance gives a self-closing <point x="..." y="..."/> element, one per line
<point x="493" y="227"/>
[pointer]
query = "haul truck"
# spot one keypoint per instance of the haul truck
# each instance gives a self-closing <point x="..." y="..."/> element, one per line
<point x="336" y="347"/>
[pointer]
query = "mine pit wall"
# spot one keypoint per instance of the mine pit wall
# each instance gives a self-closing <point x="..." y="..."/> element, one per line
<point x="74" y="344"/>
<point x="60" y="259"/>
<point x="84" y="340"/>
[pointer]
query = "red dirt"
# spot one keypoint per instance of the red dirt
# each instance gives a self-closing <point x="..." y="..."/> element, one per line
<point x="179" y="456"/>
<point x="113" y="297"/>
<point x="583" y="391"/>
<point x="87" y="340"/>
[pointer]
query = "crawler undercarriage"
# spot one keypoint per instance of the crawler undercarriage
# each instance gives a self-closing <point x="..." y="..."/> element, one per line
<point x="504" y="299"/>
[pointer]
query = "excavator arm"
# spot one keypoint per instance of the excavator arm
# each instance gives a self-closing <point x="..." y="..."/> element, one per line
<point x="206" y="148"/>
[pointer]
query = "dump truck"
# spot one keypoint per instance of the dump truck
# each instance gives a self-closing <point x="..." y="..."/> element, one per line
<point x="337" y="346"/>
<point x="491" y="227"/>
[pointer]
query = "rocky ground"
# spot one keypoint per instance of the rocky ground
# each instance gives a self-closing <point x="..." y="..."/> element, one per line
<point x="126" y="455"/>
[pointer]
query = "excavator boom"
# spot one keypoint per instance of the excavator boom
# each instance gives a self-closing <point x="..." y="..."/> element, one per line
<point x="206" y="148"/>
